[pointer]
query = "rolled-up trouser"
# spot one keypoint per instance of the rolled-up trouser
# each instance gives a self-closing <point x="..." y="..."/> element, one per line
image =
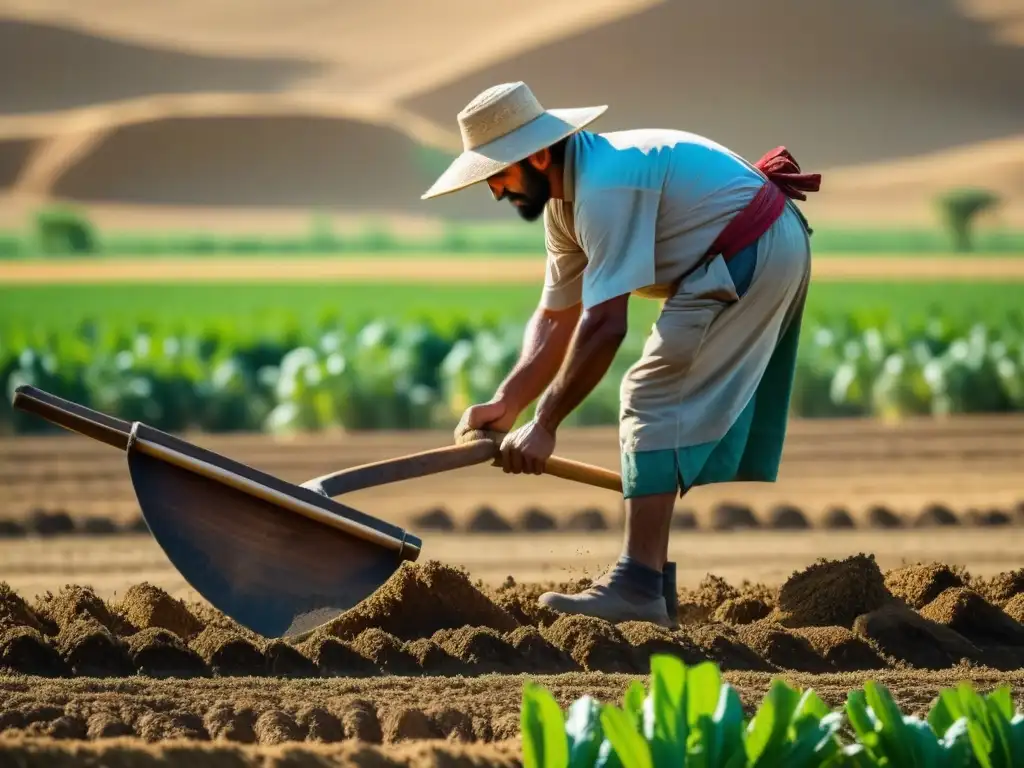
<point x="708" y="400"/>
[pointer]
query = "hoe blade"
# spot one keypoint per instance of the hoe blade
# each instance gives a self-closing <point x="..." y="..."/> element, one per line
<point x="273" y="570"/>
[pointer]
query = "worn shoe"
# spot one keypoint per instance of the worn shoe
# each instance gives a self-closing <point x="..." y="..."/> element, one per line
<point x="605" y="602"/>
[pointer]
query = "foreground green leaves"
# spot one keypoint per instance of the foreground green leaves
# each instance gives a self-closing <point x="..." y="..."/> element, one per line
<point x="690" y="718"/>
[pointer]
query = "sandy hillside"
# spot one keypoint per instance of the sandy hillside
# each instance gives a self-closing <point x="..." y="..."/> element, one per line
<point x="159" y="112"/>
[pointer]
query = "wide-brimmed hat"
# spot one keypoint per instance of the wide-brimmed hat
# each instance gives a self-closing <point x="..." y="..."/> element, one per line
<point x="500" y="127"/>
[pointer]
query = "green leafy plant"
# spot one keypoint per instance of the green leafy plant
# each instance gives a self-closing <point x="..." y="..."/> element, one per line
<point x="689" y="717"/>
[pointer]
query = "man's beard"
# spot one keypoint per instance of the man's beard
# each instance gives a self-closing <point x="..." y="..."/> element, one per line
<point x="537" y="193"/>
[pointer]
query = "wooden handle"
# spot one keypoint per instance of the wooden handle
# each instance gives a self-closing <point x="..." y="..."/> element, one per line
<point x="403" y="468"/>
<point x="556" y="466"/>
<point x="72" y="416"/>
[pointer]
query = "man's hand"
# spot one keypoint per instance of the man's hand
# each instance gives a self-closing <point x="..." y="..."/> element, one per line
<point x="526" y="449"/>
<point x="494" y="415"/>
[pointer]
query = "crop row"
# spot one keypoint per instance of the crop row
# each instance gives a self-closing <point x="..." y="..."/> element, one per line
<point x="726" y="516"/>
<point x="392" y="375"/>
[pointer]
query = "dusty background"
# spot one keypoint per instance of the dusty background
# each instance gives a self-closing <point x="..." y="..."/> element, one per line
<point x="249" y="114"/>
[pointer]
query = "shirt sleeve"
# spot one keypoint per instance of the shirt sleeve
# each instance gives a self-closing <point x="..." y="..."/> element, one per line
<point x="566" y="262"/>
<point x="616" y="228"/>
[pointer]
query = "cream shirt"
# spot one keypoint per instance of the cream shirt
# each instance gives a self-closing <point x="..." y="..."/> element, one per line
<point x="641" y="208"/>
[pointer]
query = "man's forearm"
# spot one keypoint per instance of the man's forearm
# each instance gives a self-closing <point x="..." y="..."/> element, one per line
<point x="593" y="349"/>
<point x="545" y="342"/>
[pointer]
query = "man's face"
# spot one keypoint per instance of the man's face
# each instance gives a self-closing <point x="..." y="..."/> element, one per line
<point x="525" y="187"/>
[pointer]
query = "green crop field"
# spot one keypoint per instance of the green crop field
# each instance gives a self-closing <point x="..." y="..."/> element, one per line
<point x="268" y="306"/>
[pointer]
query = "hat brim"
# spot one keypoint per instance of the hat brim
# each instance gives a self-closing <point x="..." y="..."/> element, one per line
<point x="476" y="165"/>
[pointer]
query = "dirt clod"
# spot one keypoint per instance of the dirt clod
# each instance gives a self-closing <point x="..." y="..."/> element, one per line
<point x="728" y="517"/>
<point x="918" y="585"/>
<point x="14" y="611"/>
<point x="1003" y="586"/>
<point x="936" y="515"/>
<point x="901" y="634"/>
<point x="538" y="652"/>
<point x="742" y="610"/>
<point x="487" y="519"/>
<point x="92" y="650"/>
<point x="785" y="650"/>
<point x="535" y="519"/>
<point x="787" y="517"/>
<point x="723" y="645"/>
<point x="227" y="652"/>
<point x="156" y="652"/>
<point x="23" y="649"/>
<point x="75" y="602"/>
<point x="385" y="651"/>
<point x="841" y="648"/>
<point x="587" y="519"/>
<point x="145" y="605"/>
<point x="968" y="613"/>
<point x="831" y="593"/>
<point x="595" y="645"/>
<point x="837" y="518"/>
<point x="418" y="600"/>
<point x="482" y="647"/>
<point x="435" y="519"/>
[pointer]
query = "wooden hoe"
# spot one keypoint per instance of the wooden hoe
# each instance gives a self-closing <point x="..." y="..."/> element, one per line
<point x="276" y="557"/>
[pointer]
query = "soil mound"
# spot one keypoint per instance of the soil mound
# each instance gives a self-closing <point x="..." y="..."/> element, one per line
<point x="14" y="611"/>
<point x="841" y="648"/>
<point x="785" y="650"/>
<point x="284" y="660"/>
<point x="487" y="520"/>
<point x="837" y="518"/>
<point x="520" y="601"/>
<point x="832" y="593"/>
<point x="418" y="600"/>
<point x="728" y="517"/>
<point x="385" y="652"/>
<point x="919" y="584"/>
<point x="146" y="606"/>
<point x="43" y="523"/>
<point x="319" y="725"/>
<point x="161" y="726"/>
<point x="359" y="721"/>
<point x="156" y="652"/>
<point x="12" y="529"/>
<point x="936" y="515"/>
<point x="535" y="519"/>
<point x="408" y="724"/>
<point x="786" y="517"/>
<point x="97" y="525"/>
<point x="883" y="517"/>
<point x="588" y="519"/>
<point x="742" y="610"/>
<point x="723" y="645"/>
<point x="482" y="647"/>
<point x="276" y="727"/>
<point x="23" y="649"/>
<point x="436" y="519"/>
<point x="990" y="517"/>
<point x="227" y="652"/>
<point x="104" y="725"/>
<point x="334" y="657"/>
<point x="1003" y="586"/>
<point x="224" y="723"/>
<point x="595" y="645"/>
<point x="434" y="659"/>
<point x="649" y="639"/>
<point x="968" y="613"/>
<point x="700" y="604"/>
<point x="537" y="652"/>
<point x="1014" y="607"/>
<point x="92" y="650"/>
<point x="904" y="636"/>
<point x="75" y="602"/>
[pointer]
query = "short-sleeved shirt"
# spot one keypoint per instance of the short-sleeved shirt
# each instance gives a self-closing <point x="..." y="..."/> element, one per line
<point x="640" y="210"/>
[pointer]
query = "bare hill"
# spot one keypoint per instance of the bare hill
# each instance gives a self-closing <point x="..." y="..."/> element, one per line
<point x="838" y="82"/>
<point x="13" y="155"/>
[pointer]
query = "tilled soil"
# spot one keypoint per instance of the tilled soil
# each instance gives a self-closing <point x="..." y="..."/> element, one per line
<point x="432" y="619"/>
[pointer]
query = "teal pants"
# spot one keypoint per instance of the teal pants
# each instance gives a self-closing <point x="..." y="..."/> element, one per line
<point x="751" y="450"/>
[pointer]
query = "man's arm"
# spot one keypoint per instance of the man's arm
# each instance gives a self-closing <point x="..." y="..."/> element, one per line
<point x="545" y="342"/>
<point x="598" y="338"/>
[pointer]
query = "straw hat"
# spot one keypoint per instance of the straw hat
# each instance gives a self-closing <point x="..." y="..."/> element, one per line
<point x="500" y="127"/>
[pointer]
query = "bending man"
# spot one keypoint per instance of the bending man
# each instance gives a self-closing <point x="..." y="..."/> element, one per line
<point x="658" y="214"/>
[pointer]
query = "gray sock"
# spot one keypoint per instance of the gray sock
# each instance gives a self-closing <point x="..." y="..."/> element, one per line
<point x="641" y="580"/>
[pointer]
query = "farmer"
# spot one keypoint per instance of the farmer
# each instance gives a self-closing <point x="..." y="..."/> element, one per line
<point x="659" y="214"/>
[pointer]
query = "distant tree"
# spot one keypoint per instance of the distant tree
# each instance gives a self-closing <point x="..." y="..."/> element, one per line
<point x="960" y="208"/>
<point x="61" y="230"/>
